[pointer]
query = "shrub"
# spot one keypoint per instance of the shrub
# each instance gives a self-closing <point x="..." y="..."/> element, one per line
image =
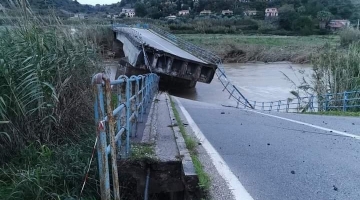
<point x="348" y="36"/>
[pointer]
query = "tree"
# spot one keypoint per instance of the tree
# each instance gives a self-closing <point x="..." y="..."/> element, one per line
<point x="323" y="17"/>
<point x="287" y="15"/>
<point x="140" y="9"/>
<point x="304" y="25"/>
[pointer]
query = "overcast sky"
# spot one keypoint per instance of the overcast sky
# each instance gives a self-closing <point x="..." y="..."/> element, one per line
<point x="101" y="2"/>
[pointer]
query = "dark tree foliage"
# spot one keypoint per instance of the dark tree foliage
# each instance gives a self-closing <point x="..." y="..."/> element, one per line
<point x="294" y="15"/>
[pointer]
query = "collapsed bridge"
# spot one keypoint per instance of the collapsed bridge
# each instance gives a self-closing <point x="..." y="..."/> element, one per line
<point x="149" y="49"/>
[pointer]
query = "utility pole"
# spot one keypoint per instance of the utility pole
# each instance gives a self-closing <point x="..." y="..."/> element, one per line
<point x="358" y="25"/>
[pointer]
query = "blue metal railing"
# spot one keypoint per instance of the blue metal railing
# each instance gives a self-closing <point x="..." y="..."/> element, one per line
<point x="345" y="101"/>
<point x="118" y="106"/>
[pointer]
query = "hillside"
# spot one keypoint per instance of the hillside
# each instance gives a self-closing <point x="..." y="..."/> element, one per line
<point x="43" y="7"/>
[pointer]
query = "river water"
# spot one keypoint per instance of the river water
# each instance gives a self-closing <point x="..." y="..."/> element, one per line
<point x="257" y="81"/>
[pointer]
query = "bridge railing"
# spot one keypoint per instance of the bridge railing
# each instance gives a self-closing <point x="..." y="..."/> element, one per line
<point x="133" y="35"/>
<point x="118" y="106"/>
<point x="344" y="101"/>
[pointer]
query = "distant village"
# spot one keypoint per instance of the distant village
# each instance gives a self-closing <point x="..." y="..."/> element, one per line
<point x="270" y="14"/>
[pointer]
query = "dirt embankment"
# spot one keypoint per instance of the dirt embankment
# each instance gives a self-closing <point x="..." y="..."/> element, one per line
<point x="263" y="54"/>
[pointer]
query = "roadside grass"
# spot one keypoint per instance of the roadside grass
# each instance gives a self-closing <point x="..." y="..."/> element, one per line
<point x="335" y="113"/>
<point x="191" y="144"/>
<point x="142" y="151"/>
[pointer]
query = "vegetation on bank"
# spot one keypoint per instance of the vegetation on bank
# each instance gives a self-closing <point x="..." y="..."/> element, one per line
<point x="46" y="116"/>
<point x="244" y="48"/>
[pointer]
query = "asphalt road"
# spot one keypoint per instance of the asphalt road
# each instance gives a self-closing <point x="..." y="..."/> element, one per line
<point x="276" y="159"/>
<point x="153" y="40"/>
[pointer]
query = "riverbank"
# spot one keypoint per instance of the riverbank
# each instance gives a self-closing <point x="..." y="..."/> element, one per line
<point x="246" y="48"/>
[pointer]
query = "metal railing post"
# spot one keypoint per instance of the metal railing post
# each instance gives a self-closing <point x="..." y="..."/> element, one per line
<point x="287" y="105"/>
<point x="278" y="107"/>
<point x="113" y="154"/>
<point x="345" y="101"/>
<point x="101" y="145"/>
<point x="128" y="114"/>
<point x="326" y="102"/>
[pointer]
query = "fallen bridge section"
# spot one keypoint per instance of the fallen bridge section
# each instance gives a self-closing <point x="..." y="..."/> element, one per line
<point x="146" y="50"/>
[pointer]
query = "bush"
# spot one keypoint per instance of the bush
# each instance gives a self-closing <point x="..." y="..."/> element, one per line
<point x="348" y="36"/>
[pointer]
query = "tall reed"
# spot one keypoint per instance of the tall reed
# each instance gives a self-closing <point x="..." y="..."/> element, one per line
<point x="45" y="71"/>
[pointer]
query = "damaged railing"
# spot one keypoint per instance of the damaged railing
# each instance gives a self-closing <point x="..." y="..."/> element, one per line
<point x="118" y="106"/>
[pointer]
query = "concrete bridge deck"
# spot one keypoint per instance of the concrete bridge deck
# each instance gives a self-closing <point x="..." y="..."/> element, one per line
<point x="154" y="40"/>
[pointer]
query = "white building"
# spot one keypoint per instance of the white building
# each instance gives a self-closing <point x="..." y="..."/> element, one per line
<point x="78" y="16"/>
<point x="129" y="12"/>
<point x="184" y="12"/>
<point x="271" y="12"/>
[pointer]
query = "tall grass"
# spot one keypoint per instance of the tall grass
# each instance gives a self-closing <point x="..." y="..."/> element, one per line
<point x="337" y="71"/>
<point x="348" y="36"/>
<point x="46" y="114"/>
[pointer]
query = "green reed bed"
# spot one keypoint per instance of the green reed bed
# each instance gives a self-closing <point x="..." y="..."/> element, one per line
<point x="46" y="115"/>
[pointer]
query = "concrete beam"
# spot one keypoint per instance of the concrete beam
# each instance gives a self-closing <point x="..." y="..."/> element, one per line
<point x="183" y="68"/>
<point x="169" y="63"/>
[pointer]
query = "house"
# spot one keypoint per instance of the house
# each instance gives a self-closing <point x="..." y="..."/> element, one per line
<point x="271" y="12"/>
<point x="129" y="12"/>
<point x="171" y="17"/>
<point x="337" y="24"/>
<point x="78" y="16"/>
<point x="108" y="16"/>
<point x="115" y="16"/>
<point x="250" y="12"/>
<point x="184" y="12"/>
<point x="205" y="12"/>
<point x="227" y="12"/>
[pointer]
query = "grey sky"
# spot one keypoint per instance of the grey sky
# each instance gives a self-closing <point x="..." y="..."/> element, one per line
<point x="101" y="2"/>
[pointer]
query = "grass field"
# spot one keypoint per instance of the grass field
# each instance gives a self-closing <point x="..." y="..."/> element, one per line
<point x="242" y="48"/>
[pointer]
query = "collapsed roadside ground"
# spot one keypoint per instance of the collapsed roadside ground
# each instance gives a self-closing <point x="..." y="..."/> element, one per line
<point x="210" y="181"/>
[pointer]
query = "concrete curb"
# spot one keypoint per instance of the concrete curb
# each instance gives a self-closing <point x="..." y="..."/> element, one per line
<point x="190" y="177"/>
<point x="150" y="132"/>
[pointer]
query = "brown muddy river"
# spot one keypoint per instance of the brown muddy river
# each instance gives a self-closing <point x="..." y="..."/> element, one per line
<point x="257" y="81"/>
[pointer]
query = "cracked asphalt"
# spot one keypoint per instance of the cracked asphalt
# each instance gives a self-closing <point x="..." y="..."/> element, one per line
<point x="276" y="159"/>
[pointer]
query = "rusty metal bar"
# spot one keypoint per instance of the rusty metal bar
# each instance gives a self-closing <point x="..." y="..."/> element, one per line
<point x="103" y="166"/>
<point x="113" y="155"/>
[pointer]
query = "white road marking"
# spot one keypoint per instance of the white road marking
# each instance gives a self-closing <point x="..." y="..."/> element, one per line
<point x="238" y="190"/>
<point x="310" y="125"/>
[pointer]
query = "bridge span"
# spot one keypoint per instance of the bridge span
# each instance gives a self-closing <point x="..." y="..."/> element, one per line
<point x="149" y="49"/>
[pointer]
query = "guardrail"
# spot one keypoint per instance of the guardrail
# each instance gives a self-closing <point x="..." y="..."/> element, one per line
<point x="133" y="35"/>
<point x="126" y="100"/>
<point x="345" y="101"/>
